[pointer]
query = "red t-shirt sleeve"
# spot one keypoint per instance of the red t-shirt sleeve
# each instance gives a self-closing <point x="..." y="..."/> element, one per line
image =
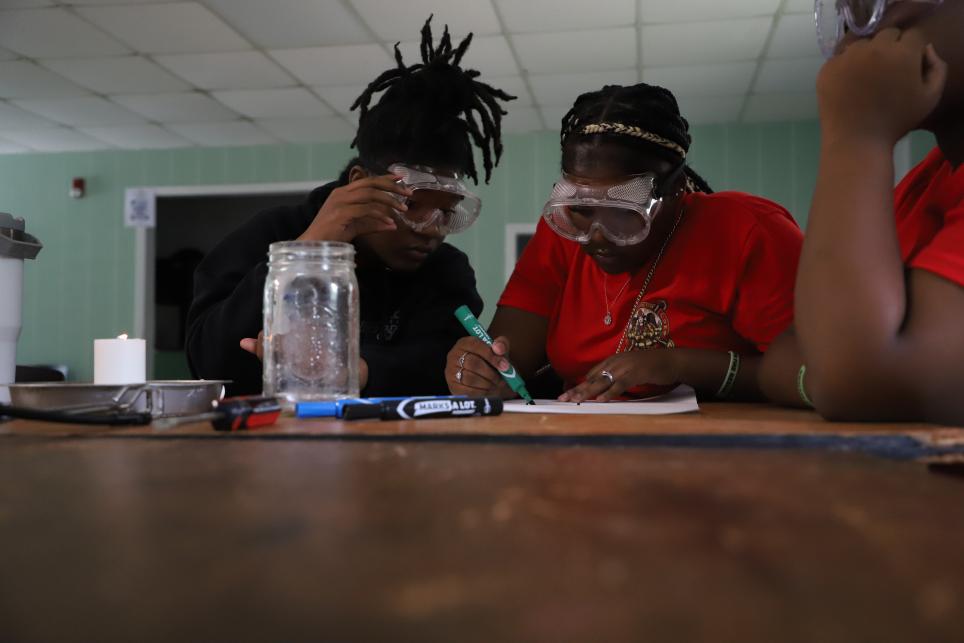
<point x="763" y="307"/>
<point x="944" y="255"/>
<point x="540" y="275"/>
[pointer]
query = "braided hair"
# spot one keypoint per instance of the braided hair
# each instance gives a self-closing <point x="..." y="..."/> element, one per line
<point x="432" y="112"/>
<point x="643" y="118"/>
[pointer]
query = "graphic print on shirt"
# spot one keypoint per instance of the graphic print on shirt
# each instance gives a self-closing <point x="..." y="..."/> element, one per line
<point x="648" y="326"/>
<point x="390" y="327"/>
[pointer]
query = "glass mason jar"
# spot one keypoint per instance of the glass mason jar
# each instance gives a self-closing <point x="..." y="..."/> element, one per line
<point x="311" y="321"/>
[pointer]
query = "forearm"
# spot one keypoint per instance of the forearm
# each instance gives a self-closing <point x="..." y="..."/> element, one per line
<point x="850" y="295"/>
<point x="779" y="370"/>
<point x="706" y="371"/>
<point x="526" y="333"/>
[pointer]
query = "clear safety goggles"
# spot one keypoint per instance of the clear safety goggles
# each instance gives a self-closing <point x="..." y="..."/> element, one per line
<point x="623" y="213"/>
<point x="444" y="201"/>
<point x="835" y="18"/>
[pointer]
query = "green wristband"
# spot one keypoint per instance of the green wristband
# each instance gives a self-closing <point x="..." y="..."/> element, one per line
<point x="730" y="380"/>
<point x="800" y="388"/>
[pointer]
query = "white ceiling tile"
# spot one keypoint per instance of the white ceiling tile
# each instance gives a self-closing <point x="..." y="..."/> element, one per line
<point x="781" y="107"/>
<point x="96" y="2"/>
<point x="556" y="52"/>
<point x="291" y="23"/>
<point x="488" y="54"/>
<point x="341" y="97"/>
<point x="563" y="89"/>
<point x="7" y="147"/>
<point x="81" y="111"/>
<point x="189" y="107"/>
<point x="799" y="6"/>
<point x="725" y="79"/>
<point x="12" y="117"/>
<point x="223" y="134"/>
<point x="137" y="137"/>
<point x="406" y="20"/>
<point x="180" y="27"/>
<point x="119" y="75"/>
<point x="293" y="102"/>
<point x="22" y="79"/>
<point x="24" y="4"/>
<point x="63" y="35"/>
<point x="795" y="37"/>
<point x="513" y="86"/>
<point x="239" y="70"/>
<point x="346" y="65"/>
<point x="55" y="139"/>
<point x="521" y="119"/>
<point x="711" y="109"/>
<point x="657" y="11"/>
<point x="704" y="42"/>
<point x="309" y="130"/>
<point x="563" y="15"/>
<point x="790" y="75"/>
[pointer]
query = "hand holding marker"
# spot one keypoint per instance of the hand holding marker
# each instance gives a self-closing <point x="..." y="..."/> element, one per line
<point x="510" y="375"/>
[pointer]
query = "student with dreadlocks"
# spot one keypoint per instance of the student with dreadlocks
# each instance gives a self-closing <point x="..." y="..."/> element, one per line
<point x="419" y="134"/>
<point x="634" y="256"/>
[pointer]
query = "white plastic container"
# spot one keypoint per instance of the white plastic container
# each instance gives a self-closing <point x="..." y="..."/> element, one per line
<point x="15" y="246"/>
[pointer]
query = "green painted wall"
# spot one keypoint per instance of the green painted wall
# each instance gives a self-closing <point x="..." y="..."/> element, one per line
<point x="81" y="286"/>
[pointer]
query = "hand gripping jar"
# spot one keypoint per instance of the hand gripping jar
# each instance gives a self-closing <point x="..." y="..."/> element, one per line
<point x="311" y="321"/>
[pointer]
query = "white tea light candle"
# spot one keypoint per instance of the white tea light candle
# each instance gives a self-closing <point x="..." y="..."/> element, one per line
<point x="120" y="361"/>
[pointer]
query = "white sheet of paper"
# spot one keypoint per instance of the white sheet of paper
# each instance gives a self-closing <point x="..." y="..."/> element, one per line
<point x="682" y="399"/>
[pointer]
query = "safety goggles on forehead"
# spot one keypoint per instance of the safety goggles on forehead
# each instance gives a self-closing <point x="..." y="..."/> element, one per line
<point x="623" y="213"/>
<point x="439" y="200"/>
<point x="835" y="18"/>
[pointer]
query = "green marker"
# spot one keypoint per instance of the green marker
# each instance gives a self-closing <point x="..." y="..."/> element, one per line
<point x="510" y="375"/>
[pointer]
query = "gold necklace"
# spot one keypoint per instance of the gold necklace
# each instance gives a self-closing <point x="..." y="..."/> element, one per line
<point x="608" y="319"/>
<point x="649" y="277"/>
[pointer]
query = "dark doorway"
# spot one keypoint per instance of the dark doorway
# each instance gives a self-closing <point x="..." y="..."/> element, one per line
<point x="187" y="229"/>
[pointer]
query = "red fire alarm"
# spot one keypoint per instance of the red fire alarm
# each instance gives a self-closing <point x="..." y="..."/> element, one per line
<point x="77" y="187"/>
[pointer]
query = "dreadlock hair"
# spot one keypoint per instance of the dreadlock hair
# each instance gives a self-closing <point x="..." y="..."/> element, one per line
<point x="432" y="112"/>
<point x="643" y="119"/>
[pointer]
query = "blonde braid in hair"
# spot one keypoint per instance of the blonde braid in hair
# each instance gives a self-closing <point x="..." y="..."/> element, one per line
<point x="635" y="132"/>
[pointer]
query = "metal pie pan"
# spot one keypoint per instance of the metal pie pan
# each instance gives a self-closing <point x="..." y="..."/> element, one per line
<point x="171" y="398"/>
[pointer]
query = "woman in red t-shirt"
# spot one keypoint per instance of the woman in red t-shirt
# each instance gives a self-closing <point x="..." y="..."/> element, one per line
<point x="880" y="306"/>
<point x="638" y="277"/>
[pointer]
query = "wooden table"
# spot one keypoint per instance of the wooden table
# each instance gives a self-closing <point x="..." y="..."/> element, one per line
<point x="512" y="528"/>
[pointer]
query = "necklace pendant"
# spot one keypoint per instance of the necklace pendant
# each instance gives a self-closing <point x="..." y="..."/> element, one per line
<point x="608" y="319"/>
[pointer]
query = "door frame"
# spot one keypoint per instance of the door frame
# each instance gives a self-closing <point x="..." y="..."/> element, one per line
<point x="144" y="243"/>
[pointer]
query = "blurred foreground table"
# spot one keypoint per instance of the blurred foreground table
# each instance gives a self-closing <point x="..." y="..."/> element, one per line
<point x="514" y="528"/>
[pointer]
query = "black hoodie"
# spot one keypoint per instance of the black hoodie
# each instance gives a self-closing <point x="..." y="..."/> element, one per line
<point x="407" y="320"/>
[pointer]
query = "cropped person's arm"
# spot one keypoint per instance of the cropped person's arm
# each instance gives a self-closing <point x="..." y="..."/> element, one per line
<point x="879" y="343"/>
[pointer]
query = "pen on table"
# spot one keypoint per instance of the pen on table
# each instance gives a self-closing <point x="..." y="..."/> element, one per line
<point x="510" y="375"/>
<point x="425" y="408"/>
<point x="336" y="408"/>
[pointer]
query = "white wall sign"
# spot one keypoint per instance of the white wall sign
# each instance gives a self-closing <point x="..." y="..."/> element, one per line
<point x="139" y="208"/>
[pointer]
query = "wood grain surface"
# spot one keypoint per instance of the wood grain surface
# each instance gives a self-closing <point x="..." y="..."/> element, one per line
<point x="326" y="540"/>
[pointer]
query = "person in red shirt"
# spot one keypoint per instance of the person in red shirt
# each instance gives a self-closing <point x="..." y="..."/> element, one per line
<point x="638" y="277"/>
<point x="880" y="294"/>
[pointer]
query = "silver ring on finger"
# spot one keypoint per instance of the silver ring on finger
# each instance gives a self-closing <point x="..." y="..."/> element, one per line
<point x="462" y="360"/>
<point x="458" y="376"/>
<point x="609" y="376"/>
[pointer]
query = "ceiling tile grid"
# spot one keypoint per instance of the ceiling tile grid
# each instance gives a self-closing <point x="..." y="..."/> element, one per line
<point x="142" y="74"/>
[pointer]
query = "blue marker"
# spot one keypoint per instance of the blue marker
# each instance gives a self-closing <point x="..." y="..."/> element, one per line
<point x="336" y="408"/>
